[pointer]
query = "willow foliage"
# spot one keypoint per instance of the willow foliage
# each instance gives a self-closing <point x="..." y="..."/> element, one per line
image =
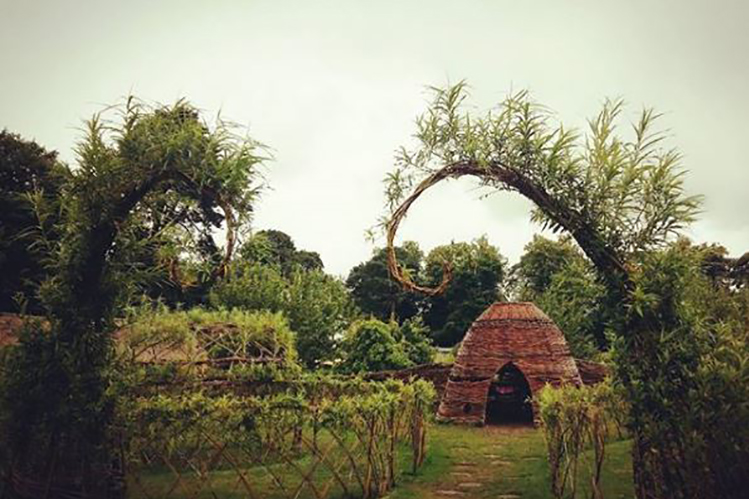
<point x="616" y="196"/>
<point x="135" y="164"/>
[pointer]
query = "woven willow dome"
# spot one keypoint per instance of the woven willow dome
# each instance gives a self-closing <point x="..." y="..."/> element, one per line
<point x="510" y="352"/>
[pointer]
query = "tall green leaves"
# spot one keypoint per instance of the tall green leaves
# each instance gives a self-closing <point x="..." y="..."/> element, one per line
<point x="30" y="177"/>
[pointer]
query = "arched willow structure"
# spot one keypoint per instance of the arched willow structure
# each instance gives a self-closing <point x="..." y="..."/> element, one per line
<point x="621" y="200"/>
<point x="148" y="168"/>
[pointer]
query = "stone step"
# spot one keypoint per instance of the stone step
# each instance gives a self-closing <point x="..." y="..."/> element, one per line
<point x="470" y="485"/>
<point x="451" y="493"/>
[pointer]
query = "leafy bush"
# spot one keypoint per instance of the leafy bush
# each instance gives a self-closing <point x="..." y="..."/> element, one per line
<point x="251" y="286"/>
<point x="319" y="311"/>
<point x="692" y="372"/>
<point x="373" y="345"/>
<point x="573" y="300"/>
<point x="414" y="337"/>
<point x="199" y="334"/>
<point x="318" y="306"/>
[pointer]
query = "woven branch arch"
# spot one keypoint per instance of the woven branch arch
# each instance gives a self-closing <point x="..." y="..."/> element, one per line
<point x="607" y="261"/>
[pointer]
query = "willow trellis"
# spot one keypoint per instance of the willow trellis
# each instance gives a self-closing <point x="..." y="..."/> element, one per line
<point x="283" y="446"/>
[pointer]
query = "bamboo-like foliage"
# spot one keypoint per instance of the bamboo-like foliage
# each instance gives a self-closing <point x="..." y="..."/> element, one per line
<point x="616" y="197"/>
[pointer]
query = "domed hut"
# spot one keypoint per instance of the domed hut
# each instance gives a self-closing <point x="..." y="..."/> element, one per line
<point x="510" y="352"/>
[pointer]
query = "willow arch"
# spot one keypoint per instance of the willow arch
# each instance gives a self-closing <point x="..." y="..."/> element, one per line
<point x="60" y="419"/>
<point x="618" y="199"/>
<point x="609" y="263"/>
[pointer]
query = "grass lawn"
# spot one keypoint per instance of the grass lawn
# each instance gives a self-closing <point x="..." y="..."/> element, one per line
<point x="501" y="462"/>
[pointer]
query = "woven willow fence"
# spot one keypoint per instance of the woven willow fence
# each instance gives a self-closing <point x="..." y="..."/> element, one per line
<point x="578" y="422"/>
<point x="304" y="445"/>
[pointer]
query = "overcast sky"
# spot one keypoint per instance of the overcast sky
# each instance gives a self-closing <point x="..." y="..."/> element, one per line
<point x="333" y="88"/>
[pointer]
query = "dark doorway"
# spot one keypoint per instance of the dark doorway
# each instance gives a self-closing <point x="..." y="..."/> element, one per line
<point x="508" y="401"/>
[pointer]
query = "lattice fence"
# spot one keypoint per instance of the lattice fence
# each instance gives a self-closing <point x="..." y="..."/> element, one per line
<point x="285" y="446"/>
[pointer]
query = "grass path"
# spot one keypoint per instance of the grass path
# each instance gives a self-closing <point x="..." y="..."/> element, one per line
<point x="499" y="463"/>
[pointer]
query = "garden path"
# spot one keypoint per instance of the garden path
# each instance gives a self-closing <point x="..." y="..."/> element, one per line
<point x="487" y="462"/>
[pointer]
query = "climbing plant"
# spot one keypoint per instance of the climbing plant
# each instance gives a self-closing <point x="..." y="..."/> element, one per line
<point x="133" y="158"/>
<point x="622" y="200"/>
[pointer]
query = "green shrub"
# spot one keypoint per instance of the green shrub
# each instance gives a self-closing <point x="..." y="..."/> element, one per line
<point x="197" y="334"/>
<point x="251" y="286"/>
<point x="414" y="337"/>
<point x="320" y="310"/>
<point x="318" y="306"/>
<point x="373" y="345"/>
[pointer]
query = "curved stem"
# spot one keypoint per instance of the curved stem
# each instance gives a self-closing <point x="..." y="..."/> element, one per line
<point x="607" y="261"/>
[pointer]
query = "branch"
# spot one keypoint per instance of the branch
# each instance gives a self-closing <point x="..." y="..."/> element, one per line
<point x="608" y="262"/>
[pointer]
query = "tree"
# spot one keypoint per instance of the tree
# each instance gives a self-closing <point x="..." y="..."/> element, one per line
<point x="251" y="286"/>
<point x="319" y="310"/>
<point x="478" y="271"/>
<point x="374" y="345"/>
<point x="376" y="292"/>
<point x="318" y="306"/>
<point x="308" y="260"/>
<point x="573" y="300"/>
<point x="371" y="346"/>
<point x="29" y="175"/>
<point x="55" y="387"/>
<point x="541" y="259"/>
<point x="276" y="248"/>
<point x="622" y="201"/>
<point x="414" y="336"/>
<point x="558" y="278"/>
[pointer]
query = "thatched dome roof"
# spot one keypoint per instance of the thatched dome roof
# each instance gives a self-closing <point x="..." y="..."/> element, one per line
<point x="516" y="333"/>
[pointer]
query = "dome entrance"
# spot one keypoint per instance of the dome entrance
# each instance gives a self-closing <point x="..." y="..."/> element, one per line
<point x="508" y="400"/>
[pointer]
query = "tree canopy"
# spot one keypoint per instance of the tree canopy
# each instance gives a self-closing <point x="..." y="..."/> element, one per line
<point x="272" y="274"/>
<point x="478" y="271"/>
<point x="374" y="345"/>
<point x="557" y="277"/>
<point x="29" y="175"/>
<point x="375" y="291"/>
<point x="276" y="248"/>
